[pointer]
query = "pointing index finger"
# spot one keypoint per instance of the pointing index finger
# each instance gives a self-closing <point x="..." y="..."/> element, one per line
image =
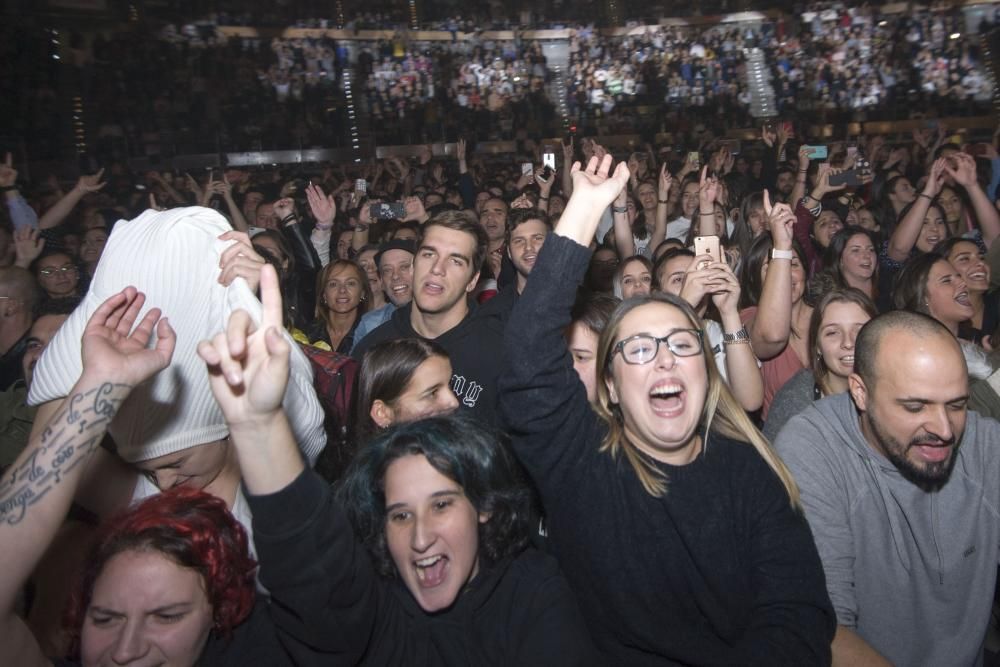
<point x="270" y="297"/>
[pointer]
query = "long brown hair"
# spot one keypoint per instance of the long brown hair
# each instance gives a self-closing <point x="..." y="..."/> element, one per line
<point x="838" y="295"/>
<point x="721" y="412"/>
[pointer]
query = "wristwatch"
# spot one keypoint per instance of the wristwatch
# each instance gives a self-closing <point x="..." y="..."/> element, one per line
<point x="782" y="254"/>
<point x="741" y="336"/>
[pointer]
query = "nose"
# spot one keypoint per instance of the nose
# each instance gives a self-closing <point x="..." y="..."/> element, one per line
<point x="437" y="268"/>
<point x="664" y="357"/>
<point x="847" y="343"/>
<point x="938" y="424"/>
<point x="449" y="401"/>
<point x="422" y="538"/>
<point x="131" y="644"/>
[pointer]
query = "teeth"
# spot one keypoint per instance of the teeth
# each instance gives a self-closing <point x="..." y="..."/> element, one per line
<point x="427" y="562"/>
<point x="848" y="359"/>
<point x="666" y="390"/>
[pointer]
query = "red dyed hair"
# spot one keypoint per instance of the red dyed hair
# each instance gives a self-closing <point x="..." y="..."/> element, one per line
<point x="193" y="529"/>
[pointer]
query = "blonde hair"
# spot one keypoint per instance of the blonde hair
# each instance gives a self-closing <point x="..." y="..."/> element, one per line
<point x="721" y="411"/>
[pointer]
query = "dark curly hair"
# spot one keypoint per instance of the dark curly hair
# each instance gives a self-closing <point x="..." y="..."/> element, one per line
<point x="193" y="529"/>
<point x="462" y="450"/>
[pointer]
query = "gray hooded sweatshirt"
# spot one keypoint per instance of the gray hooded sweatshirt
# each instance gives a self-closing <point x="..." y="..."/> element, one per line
<point x="911" y="571"/>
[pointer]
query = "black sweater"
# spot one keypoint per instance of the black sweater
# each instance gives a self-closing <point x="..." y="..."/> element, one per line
<point x="720" y="570"/>
<point x="475" y="346"/>
<point x="332" y="608"/>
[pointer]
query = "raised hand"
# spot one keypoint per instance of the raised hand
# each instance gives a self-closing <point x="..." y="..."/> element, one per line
<point x="247" y="364"/>
<point x="323" y="207"/>
<point x="8" y="175"/>
<point x="708" y="191"/>
<point x="283" y="208"/>
<point x="936" y="177"/>
<point x="768" y="135"/>
<point x="28" y="245"/>
<point x="90" y="183"/>
<point x="964" y="169"/>
<point x="414" y="210"/>
<point x="664" y="183"/>
<point x="568" y="150"/>
<point x="780" y="220"/>
<point x="241" y="260"/>
<point x="544" y="184"/>
<point x="460" y="150"/>
<point x="803" y="158"/>
<point x="593" y="191"/>
<point x="726" y="288"/>
<point x="112" y="351"/>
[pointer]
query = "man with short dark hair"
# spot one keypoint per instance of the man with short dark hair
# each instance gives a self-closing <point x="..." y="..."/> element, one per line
<point x="526" y="232"/>
<point x="901" y="486"/>
<point x="445" y="271"/>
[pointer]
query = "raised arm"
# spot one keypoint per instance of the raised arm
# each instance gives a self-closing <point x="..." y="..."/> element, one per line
<point x="62" y="208"/>
<point x="772" y="325"/>
<point x="708" y="190"/>
<point x="664" y="205"/>
<point x="905" y="235"/>
<point x="324" y="210"/>
<point x="624" y="243"/>
<point x="540" y="393"/>
<point x="321" y="581"/>
<point x="36" y="493"/>
<point x="964" y="174"/>
<point x="224" y="189"/>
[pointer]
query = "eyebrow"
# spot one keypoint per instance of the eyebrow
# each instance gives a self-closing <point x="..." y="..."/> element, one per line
<point x="457" y="255"/>
<point x="174" y="606"/>
<point x="437" y="494"/>
<point x="927" y="401"/>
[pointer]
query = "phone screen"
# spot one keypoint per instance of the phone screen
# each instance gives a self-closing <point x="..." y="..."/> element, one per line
<point x="549" y="160"/>
<point x="527" y="168"/>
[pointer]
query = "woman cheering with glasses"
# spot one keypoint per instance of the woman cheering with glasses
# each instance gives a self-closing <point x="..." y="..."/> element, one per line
<point x="677" y="526"/>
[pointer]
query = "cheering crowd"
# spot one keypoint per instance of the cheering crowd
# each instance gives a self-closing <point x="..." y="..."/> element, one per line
<point x="647" y="408"/>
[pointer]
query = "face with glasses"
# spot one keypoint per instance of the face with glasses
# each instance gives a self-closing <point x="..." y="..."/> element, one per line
<point x="657" y="376"/>
<point x="57" y="274"/>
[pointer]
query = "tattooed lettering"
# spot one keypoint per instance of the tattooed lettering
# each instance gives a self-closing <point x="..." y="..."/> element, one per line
<point x="60" y="450"/>
<point x="104" y="406"/>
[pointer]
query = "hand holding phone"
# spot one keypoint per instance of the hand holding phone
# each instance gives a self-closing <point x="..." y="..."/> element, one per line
<point x="708" y="245"/>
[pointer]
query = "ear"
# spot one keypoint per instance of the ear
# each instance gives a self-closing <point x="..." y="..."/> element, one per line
<point x="609" y="382"/>
<point x="381" y="413"/>
<point x="472" y="283"/>
<point x="859" y="392"/>
<point x="485" y="516"/>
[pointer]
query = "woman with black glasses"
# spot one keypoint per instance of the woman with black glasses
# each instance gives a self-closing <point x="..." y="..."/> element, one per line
<point x="676" y="524"/>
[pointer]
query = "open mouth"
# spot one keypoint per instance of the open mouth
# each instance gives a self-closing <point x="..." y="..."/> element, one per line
<point x="433" y="288"/>
<point x="963" y="299"/>
<point x="431" y="571"/>
<point x="667" y="399"/>
<point x="979" y="276"/>
<point x="936" y="453"/>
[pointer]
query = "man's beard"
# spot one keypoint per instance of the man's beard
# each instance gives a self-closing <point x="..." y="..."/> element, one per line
<point x="929" y="476"/>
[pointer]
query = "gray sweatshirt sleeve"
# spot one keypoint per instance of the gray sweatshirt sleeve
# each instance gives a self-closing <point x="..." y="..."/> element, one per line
<point x="805" y="449"/>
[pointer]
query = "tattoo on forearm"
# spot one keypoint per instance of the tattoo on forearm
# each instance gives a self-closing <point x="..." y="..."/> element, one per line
<point x="67" y="442"/>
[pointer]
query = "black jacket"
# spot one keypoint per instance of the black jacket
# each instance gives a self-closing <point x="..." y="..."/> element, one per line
<point x="475" y="346"/>
<point x="337" y="610"/>
<point x="720" y="570"/>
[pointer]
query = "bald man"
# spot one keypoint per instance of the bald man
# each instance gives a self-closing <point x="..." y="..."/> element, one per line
<point x="901" y="487"/>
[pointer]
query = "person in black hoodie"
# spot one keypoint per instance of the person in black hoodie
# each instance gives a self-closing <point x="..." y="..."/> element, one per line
<point x="421" y="560"/>
<point x="449" y="257"/>
<point x="676" y="524"/>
